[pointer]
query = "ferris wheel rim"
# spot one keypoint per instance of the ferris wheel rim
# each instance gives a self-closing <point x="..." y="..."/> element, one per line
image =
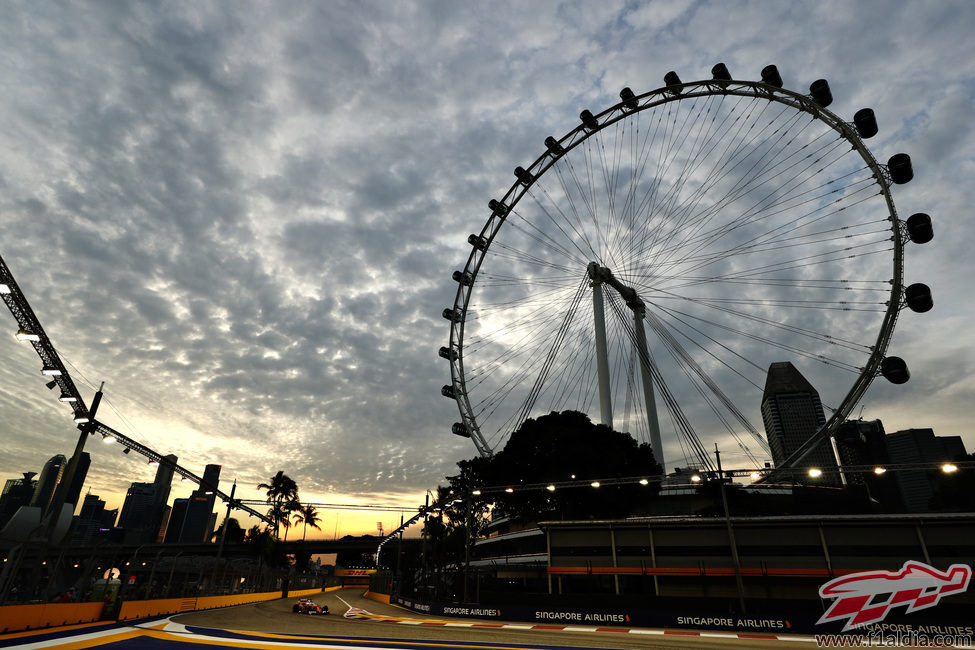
<point x="623" y="110"/>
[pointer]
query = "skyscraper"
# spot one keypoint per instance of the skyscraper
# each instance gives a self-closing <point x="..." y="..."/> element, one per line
<point x="17" y="492"/>
<point x="198" y="522"/>
<point x="174" y="527"/>
<point x="920" y="446"/>
<point x="792" y="413"/>
<point x="862" y="447"/>
<point x="138" y="510"/>
<point x="48" y="481"/>
<point x="89" y="519"/>
<point x="164" y="478"/>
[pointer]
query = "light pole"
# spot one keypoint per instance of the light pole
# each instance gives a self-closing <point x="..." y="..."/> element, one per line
<point x="61" y="491"/>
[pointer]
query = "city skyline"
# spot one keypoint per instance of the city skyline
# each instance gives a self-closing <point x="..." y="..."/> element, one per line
<point x="245" y="220"/>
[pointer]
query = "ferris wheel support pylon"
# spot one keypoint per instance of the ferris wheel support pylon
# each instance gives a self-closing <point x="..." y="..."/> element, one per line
<point x="643" y="352"/>
<point x="599" y="275"/>
<point x="602" y="357"/>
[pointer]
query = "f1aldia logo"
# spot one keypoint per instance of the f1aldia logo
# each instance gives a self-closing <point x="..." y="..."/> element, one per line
<point x="917" y="585"/>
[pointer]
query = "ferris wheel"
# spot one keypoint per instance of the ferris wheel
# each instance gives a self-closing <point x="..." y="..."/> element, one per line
<point x="650" y="265"/>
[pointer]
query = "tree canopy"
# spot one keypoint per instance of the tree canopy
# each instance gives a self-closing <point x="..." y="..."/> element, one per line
<point x="557" y="448"/>
<point x="282" y="494"/>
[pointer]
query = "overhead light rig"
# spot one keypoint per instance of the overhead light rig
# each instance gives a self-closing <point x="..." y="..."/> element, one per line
<point x="30" y="330"/>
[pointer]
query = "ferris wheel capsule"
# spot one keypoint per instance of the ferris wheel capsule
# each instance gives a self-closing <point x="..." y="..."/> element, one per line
<point x="900" y="168"/>
<point x="919" y="228"/>
<point x="553" y="146"/>
<point x="672" y="81"/>
<point x="820" y="92"/>
<point x="524" y="176"/>
<point x="447" y="353"/>
<point x="629" y="99"/>
<point x="866" y="123"/>
<point x="894" y="370"/>
<point x="720" y="72"/>
<point x="918" y="296"/>
<point x="588" y="120"/>
<point x="452" y="315"/>
<point x="771" y="76"/>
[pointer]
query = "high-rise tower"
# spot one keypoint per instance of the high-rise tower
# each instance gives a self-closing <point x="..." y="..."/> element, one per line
<point x="48" y="480"/>
<point x="198" y="522"/>
<point x="793" y="412"/>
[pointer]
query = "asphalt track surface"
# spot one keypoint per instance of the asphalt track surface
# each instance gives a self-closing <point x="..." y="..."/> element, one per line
<point x="272" y="624"/>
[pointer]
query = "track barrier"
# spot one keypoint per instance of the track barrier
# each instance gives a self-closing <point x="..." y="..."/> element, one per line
<point x="18" y="618"/>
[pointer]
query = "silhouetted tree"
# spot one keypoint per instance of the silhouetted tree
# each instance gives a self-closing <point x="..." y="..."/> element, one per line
<point x="307" y="516"/>
<point x="280" y="490"/>
<point x="557" y="448"/>
<point x="235" y="534"/>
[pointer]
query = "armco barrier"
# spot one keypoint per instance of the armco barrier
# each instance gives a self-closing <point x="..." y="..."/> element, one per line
<point x="381" y="598"/>
<point x="18" y="618"/>
<point x="15" y="618"/>
<point x="146" y="608"/>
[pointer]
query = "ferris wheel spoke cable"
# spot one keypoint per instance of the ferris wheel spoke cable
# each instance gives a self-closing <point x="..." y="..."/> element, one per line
<point x="688" y="361"/>
<point x="832" y="255"/>
<point x="554" y="221"/>
<point x="684" y="426"/>
<point x="521" y="256"/>
<point x="546" y="243"/>
<point x="745" y="184"/>
<point x="692" y="163"/>
<point x="577" y="223"/>
<point x="820" y="337"/>
<point x="803" y="221"/>
<point x="556" y="345"/>
<point x="800" y="222"/>
<point x="543" y="237"/>
<point x="738" y="315"/>
<point x="642" y="156"/>
<point x="759" y="210"/>
<point x="519" y="349"/>
<point x="813" y="238"/>
<point x="778" y="344"/>
<point x="711" y="353"/>
<point x="723" y="167"/>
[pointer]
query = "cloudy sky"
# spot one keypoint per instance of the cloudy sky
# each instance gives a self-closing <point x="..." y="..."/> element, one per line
<point x="243" y="217"/>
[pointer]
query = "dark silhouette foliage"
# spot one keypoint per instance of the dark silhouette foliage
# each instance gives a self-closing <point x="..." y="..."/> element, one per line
<point x="558" y="448"/>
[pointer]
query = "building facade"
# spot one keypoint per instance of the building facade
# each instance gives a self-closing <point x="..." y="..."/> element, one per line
<point x="792" y="413"/>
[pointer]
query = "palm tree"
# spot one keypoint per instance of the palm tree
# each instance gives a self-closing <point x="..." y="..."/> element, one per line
<point x="280" y="490"/>
<point x="291" y="506"/>
<point x="308" y="516"/>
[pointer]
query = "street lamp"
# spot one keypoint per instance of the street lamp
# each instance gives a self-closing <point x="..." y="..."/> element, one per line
<point x="815" y="472"/>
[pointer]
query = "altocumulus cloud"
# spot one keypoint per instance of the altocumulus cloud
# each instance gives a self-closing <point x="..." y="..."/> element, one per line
<point x="244" y="218"/>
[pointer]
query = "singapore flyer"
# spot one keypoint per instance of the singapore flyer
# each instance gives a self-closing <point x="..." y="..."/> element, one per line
<point x="653" y="262"/>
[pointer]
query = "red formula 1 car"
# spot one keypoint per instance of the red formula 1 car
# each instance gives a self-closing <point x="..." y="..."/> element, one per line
<point x="306" y="606"/>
